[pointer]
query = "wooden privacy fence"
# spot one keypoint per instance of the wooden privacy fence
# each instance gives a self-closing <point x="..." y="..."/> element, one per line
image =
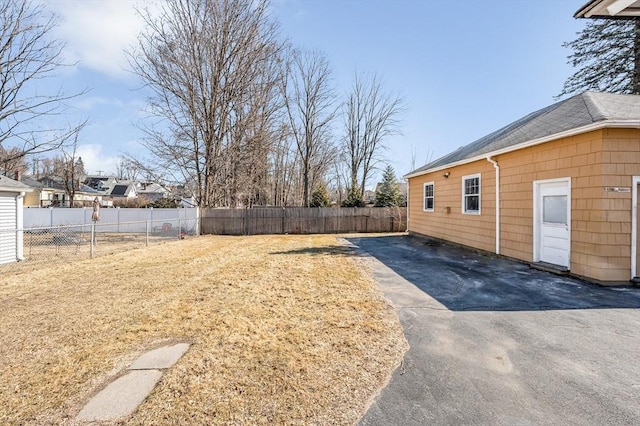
<point x="302" y="220"/>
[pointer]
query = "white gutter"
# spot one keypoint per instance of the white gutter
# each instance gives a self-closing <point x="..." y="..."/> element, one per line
<point x="408" y="192"/>
<point x="634" y="226"/>
<point x="621" y="124"/>
<point x="497" y="167"/>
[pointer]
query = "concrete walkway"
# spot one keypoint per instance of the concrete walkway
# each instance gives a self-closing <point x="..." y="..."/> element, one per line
<point x="495" y="342"/>
<point x="122" y="396"/>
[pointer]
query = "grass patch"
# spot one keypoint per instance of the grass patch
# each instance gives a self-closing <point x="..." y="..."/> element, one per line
<point x="284" y="330"/>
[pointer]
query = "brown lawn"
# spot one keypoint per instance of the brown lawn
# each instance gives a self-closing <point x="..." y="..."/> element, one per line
<point x="284" y="330"/>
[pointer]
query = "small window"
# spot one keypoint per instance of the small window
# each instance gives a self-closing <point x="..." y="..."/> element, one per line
<point x="471" y="194"/>
<point x="554" y="209"/>
<point x="428" y="196"/>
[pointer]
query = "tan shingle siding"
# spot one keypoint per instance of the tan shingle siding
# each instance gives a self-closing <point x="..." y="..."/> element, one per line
<point x="601" y="220"/>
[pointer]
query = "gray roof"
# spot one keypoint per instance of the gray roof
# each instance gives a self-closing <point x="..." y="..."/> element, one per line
<point x="582" y="110"/>
<point x="151" y="188"/>
<point x="32" y="182"/>
<point x="10" y="185"/>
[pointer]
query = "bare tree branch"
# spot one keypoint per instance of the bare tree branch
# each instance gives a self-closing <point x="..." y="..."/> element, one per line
<point x="310" y="105"/>
<point x="210" y="67"/>
<point x="28" y="57"/>
<point x="370" y="116"/>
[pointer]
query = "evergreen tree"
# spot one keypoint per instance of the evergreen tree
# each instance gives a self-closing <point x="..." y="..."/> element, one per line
<point x="320" y="197"/>
<point x="354" y="199"/>
<point x="607" y="56"/>
<point x="388" y="192"/>
<point x="79" y="168"/>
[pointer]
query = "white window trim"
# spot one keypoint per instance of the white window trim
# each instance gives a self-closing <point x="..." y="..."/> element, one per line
<point x="424" y="185"/>
<point x="462" y="207"/>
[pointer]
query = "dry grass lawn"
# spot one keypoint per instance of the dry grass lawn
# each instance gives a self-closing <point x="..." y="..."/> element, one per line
<point x="284" y="330"/>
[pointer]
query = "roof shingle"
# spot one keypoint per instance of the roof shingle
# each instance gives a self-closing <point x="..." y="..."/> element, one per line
<point x="570" y="114"/>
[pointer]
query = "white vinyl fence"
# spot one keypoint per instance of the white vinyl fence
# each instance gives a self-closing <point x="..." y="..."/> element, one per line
<point x="59" y="234"/>
<point x="111" y="219"/>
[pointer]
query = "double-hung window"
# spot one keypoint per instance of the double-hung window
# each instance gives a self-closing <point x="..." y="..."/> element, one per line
<point x="471" y="194"/>
<point x="429" y="196"/>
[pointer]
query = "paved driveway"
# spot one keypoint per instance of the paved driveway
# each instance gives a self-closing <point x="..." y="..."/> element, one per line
<point x="494" y="342"/>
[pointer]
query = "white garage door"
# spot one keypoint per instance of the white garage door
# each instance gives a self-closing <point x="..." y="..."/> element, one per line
<point x="8" y="225"/>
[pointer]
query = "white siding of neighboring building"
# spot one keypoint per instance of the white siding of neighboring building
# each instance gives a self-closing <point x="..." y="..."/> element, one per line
<point x="8" y="226"/>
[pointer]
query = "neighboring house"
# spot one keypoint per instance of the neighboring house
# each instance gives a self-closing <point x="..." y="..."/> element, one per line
<point x="369" y="196"/>
<point x="120" y="189"/>
<point x="124" y="190"/>
<point x="102" y="184"/>
<point x="41" y="196"/>
<point x="152" y="191"/>
<point x="558" y="187"/>
<point x="49" y="191"/>
<point x="609" y="9"/>
<point x="12" y="193"/>
<point x="183" y="196"/>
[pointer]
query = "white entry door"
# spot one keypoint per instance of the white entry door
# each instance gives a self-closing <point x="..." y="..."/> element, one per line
<point x="552" y="221"/>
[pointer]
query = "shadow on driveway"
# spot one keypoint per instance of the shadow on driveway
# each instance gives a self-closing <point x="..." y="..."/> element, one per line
<point x="463" y="280"/>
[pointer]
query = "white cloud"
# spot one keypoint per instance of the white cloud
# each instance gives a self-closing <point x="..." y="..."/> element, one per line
<point x="90" y="102"/>
<point x="95" y="160"/>
<point x="97" y="32"/>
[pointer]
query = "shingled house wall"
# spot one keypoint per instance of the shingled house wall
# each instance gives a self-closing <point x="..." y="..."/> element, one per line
<point x="600" y="219"/>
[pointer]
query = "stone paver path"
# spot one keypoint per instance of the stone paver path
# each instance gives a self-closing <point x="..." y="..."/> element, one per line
<point x="122" y="396"/>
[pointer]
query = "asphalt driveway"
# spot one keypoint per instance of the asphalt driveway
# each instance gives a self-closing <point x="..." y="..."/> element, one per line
<point x="495" y="342"/>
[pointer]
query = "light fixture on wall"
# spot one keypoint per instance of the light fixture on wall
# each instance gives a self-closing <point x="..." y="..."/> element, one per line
<point x="446" y="175"/>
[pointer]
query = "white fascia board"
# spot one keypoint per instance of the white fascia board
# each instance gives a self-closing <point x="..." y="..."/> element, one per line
<point x="599" y="9"/>
<point x="604" y="8"/>
<point x="619" y="124"/>
<point x="14" y="189"/>
<point x="618" y="6"/>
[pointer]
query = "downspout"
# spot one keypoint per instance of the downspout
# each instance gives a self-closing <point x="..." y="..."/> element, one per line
<point x="408" y="204"/>
<point x="19" y="226"/>
<point x="497" y="167"/>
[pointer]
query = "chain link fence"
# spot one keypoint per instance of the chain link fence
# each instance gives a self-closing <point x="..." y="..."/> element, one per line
<point x="43" y="245"/>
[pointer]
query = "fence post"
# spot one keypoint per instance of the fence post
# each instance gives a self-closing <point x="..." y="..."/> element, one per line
<point x="324" y="219"/>
<point x="146" y="235"/>
<point x="93" y="236"/>
<point x="284" y="214"/>
<point x="179" y="229"/>
<point x="245" y="220"/>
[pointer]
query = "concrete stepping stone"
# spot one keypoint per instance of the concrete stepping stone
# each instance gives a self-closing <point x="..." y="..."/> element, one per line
<point x="160" y="358"/>
<point x="122" y="396"/>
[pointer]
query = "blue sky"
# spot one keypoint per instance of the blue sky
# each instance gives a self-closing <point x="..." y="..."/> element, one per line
<point x="463" y="68"/>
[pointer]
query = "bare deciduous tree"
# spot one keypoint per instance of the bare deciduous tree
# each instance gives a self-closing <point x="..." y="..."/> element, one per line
<point x="282" y="167"/>
<point x="12" y="164"/>
<point x="128" y="168"/>
<point x="28" y="56"/>
<point x="370" y="116"/>
<point x="202" y="62"/>
<point x="310" y="104"/>
<point x="69" y="167"/>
